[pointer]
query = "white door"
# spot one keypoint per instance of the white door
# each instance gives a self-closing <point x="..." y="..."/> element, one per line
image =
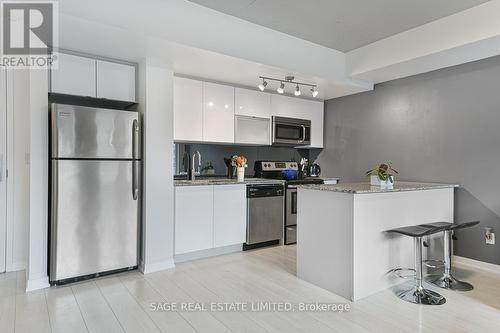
<point x="3" y="160"/>
<point x="115" y="81"/>
<point x="74" y="76"/>
<point x="252" y="103"/>
<point x="218" y="113"/>
<point x="188" y="109"/>
<point x="194" y="213"/>
<point x="230" y="214"/>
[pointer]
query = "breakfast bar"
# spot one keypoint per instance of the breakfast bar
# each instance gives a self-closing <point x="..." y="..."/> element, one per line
<point x="342" y="245"/>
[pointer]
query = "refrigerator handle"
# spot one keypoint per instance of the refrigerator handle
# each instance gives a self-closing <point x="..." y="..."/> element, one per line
<point x="135" y="138"/>
<point x="1" y="167"/>
<point x="135" y="180"/>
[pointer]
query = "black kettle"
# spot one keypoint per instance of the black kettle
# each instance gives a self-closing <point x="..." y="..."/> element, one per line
<point x="314" y="170"/>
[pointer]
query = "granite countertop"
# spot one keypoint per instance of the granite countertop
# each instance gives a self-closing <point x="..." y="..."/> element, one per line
<point x="225" y="181"/>
<point x="362" y="188"/>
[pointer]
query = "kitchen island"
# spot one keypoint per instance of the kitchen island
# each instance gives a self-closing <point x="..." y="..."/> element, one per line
<point x="341" y="243"/>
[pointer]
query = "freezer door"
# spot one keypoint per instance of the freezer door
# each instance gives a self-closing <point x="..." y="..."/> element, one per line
<point x="84" y="132"/>
<point x="94" y="225"/>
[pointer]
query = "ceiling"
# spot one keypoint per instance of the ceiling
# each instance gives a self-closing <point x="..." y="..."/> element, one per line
<point x="342" y="25"/>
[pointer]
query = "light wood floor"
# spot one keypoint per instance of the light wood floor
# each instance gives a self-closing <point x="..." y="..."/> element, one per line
<point x="122" y="303"/>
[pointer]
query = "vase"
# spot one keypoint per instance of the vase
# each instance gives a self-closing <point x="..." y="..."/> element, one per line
<point x="240" y="173"/>
<point x="375" y="181"/>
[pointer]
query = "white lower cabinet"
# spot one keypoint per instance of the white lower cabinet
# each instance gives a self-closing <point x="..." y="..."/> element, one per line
<point x="230" y="210"/>
<point x="211" y="216"/>
<point x="194" y="211"/>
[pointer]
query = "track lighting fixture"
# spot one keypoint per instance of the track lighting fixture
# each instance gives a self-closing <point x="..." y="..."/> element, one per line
<point x="288" y="79"/>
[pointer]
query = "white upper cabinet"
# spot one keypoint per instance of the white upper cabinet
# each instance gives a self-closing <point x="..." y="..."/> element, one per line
<point x="285" y="106"/>
<point x="317" y="113"/>
<point x="252" y="103"/>
<point x="208" y="112"/>
<point x="115" y="81"/>
<point x="74" y="76"/>
<point x="218" y="113"/>
<point x="230" y="215"/>
<point x="252" y="130"/>
<point x="188" y="110"/>
<point x="83" y="76"/>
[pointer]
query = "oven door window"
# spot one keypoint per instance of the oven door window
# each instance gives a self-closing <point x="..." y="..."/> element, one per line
<point x="288" y="132"/>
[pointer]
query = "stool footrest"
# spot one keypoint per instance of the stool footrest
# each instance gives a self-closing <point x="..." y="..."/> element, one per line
<point x="403" y="273"/>
<point x="434" y="263"/>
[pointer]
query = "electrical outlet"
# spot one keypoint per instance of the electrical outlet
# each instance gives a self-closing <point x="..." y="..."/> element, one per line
<point x="489" y="236"/>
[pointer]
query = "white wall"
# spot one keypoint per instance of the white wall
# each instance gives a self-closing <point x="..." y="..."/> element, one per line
<point x="18" y="166"/>
<point x="36" y="275"/>
<point x="156" y="104"/>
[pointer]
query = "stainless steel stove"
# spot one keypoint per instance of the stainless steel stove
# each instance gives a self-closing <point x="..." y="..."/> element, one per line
<point x="273" y="170"/>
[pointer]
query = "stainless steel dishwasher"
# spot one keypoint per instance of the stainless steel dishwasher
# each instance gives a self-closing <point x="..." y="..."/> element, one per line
<point x="265" y="210"/>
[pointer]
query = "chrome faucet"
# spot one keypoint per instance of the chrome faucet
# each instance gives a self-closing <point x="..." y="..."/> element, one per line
<point x="193" y="169"/>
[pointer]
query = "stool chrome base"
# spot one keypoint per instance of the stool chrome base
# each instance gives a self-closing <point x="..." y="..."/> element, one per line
<point x="449" y="282"/>
<point x="420" y="296"/>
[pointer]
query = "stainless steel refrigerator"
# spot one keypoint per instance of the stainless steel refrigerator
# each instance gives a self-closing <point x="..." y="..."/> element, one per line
<point x="95" y="191"/>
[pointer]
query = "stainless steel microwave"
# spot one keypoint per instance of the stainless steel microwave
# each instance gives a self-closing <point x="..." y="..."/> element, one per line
<point x="291" y="131"/>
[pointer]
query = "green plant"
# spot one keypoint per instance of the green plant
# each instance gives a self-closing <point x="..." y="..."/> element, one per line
<point x="384" y="171"/>
<point x="208" y="166"/>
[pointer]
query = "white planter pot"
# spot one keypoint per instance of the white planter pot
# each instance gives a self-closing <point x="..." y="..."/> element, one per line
<point x="375" y="181"/>
<point x="240" y="174"/>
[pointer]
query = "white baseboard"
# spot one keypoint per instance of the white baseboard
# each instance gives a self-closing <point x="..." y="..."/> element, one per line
<point x="156" y="267"/>
<point x="476" y="264"/>
<point x="208" y="253"/>
<point x="36" y="284"/>
<point x="16" y="266"/>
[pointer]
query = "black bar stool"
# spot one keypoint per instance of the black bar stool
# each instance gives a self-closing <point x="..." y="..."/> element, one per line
<point x="417" y="293"/>
<point x="446" y="280"/>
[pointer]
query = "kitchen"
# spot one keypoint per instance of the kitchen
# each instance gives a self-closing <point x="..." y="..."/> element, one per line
<point x="255" y="124"/>
<point x="202" y="166"/>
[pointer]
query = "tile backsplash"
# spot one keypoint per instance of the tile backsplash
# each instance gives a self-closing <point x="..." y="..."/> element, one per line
<point x="216" y="153"/>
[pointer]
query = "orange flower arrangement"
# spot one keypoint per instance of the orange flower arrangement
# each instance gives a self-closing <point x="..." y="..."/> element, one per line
<point x="239" y="161"/>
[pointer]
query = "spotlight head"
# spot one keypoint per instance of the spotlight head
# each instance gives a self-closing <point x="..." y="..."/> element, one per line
<point x="281" y="88"/>
<point x="297" y="91"/>
<point x="314" y="92"/>
<point x="263" y="85"/>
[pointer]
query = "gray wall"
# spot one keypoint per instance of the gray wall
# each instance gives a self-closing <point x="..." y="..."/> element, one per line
<point x="442" y="126"/>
